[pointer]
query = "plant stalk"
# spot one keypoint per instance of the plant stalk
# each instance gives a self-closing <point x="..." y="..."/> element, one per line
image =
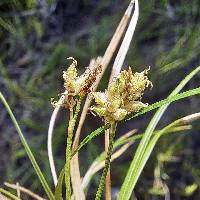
<point x="108" y="178"/>
<point x="72" y="122"/>
<point x="107" y="161"/>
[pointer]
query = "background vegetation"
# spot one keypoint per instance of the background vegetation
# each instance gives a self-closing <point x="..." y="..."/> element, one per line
<point x="37" y="36"/>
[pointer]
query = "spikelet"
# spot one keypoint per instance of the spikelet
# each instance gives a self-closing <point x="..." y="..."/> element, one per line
<point x="122" y="97"/>
<point x="78" y="86"/>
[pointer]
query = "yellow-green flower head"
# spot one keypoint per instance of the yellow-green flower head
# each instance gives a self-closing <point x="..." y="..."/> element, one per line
<point x="78" y="86"/>
<point x="70" y="77"/>
<point x="122" y="96"/>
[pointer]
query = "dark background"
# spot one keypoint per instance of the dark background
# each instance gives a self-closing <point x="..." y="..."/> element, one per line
<point x="36" y="37"/>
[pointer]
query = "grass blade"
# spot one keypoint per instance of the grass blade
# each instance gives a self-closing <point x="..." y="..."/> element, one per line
<point x="133" y="173"/>
<point x="28" y="150"/>
<point x="8" y="194"/>
<point x="158" y="104"/>
<point x="166" y="101"/>
<point x="90" y="137"/>
<point x="7" y="26"/>
<point x="175" y="126"/>
<point x="24" y="190"/>
<point x="58" y="190"/>
<point x="98" y="163"/>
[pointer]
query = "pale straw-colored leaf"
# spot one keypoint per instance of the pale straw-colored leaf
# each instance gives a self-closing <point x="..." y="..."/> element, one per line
<point x="119" y="60"/>
<point x="24" y="190"/>
<point x="2" y="197"/>
<point x="49" y="138"/>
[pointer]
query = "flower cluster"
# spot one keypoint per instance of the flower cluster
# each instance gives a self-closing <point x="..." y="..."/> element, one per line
<point x="122" y="97"/>
<point x="78" y="86"/>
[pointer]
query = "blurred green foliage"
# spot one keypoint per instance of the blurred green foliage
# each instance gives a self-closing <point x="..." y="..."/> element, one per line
<point x="36" y="38"/>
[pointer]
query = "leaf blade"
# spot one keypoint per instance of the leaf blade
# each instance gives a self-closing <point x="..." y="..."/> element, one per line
<point x="151" y="107"/>
<point x="58" y="190"/>
<point x="28" y="150"/>
<point x="133" y="172"/>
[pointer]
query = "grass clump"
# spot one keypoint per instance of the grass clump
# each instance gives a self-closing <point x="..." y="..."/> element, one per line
<point x="120" y="103"/>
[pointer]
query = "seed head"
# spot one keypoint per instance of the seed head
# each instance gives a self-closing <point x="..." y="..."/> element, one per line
<point x="78" y="86"/>
<point x="122" y="96"/>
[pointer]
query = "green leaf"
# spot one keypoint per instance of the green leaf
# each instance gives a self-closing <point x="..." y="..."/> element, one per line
<point x="190" y="189"/>
<point x="58" y="190"/>
<point x="90" y="137"/>
<point x="12" y="86"/>
<point x="172" y="128"/>
<point x="8" y="194"/>
<point x="145" y="110"/>
<point x="7" y="26"/>
<point x="142" y="154"/>
<point x="170" y="99"/>
<point x="28" y="150"/>
<point x="31" y="4"/>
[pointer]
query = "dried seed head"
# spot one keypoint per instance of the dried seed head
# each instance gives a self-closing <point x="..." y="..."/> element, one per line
<point x="78" y="86"/>
<point x="122" y="96"/>
<point x="89" y="79"/>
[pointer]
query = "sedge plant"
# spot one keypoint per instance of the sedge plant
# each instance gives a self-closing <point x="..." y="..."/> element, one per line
<point x="113" y="116"/>
<point x="120" y="102"/>
<point x="113" y="112"/>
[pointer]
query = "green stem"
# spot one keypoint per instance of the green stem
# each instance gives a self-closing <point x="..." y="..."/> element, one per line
<point x="28" y="150"/>
<point x="72" y="122"/>
<point x="107" y="162"/>
<point x="8" y="194"/>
